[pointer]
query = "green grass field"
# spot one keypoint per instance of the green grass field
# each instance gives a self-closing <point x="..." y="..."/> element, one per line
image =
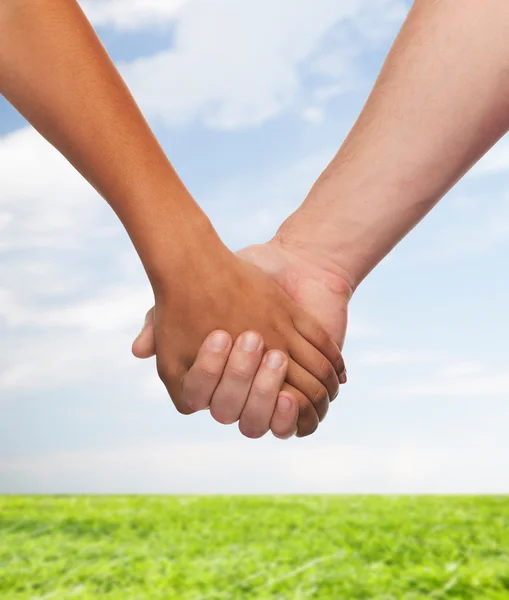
<point x="211" y="548"/>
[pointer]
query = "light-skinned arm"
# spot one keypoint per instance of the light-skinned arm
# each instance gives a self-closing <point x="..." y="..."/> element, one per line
<point x="55" y="71"/>
<point x="440" y="102"/>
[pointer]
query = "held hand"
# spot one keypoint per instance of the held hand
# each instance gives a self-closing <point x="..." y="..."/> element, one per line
<point x="237" y="296"/>
<point x="322" y="294"/>
<point x="223" y="375"/>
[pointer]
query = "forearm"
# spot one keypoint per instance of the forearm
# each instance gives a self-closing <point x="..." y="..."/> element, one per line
<point x="55" y="71"/>
<point x="440" y="102"/>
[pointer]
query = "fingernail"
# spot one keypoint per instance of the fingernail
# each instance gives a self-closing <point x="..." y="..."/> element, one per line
<point x="343" y="377"/>
<point x="284" y="404"/>
<point x="274" y="360"/>
<point x="250" y="342"/>
<point x="218" y="342"/>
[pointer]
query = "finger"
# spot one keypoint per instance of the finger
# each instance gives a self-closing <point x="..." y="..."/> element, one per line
<point x="316" y="335"/>
<point x="316" y="364"/>
<point x="144" y="346"/>
<point x="173" y="381"/>
<point x="307" y="422"/>
<point x="310" y="387"/>
<point x="257" y="413"/>
<point x="172" y="374"/>
<point x="232" y="391"/>
<point x="284" y="420"/>
<point x="202" y="379"/>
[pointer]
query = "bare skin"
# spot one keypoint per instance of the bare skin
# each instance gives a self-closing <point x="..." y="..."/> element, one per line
<point x="210" y="382"/>
<point x="440" y="102"/>
<point x="55" y="71"/>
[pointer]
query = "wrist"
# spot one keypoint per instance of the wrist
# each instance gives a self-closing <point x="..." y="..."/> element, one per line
<point x="180" y="250"/>
<point x="300" y="236"/>
<point x="352" y="218"/>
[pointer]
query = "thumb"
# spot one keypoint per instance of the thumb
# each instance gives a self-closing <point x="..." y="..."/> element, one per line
<point x="144" y="346"/>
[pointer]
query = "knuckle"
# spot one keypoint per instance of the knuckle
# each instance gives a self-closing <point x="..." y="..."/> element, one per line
<point x="164" y="371"/>
<point x="326" y="370"/>
<point x="325" y="341"/>
<point x="171" y="379"/>
<point x="307" y="429"/>
<point x="339" y="363"/>
<point x="221" y="414"/>
<point x="280" y="325"/>
<point x="261" y="389"/>
<point x="183" y="409"/>
<point x="239" y="372"/>
<point x="321" y="336"/>
<point x="177" y="397"/>
<point x="198" y="388"/>
<point x="320" y="395"/>
<point x="251" y="430"/>
<point x="283" y="431"/>
<point x="308" y="420"/>
<point x="195" y="400"/>
<point x="207" y="371"/>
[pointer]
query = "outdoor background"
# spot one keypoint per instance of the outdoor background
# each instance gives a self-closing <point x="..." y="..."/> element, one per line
<point x="250" y="100"/>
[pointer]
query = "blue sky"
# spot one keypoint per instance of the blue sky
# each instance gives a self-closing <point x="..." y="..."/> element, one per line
<point x="250" y="100"/>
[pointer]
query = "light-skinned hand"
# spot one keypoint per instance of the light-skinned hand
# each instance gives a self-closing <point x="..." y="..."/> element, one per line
<point x="238" y="384"/>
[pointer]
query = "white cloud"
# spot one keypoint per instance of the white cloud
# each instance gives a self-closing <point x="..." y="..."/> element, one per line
<point x="80" y="342"/>
<point x="237" y="64"/>
<point x="313" y="114"/>
<point x="131" y="14"/>
<point x="385" y="358"/>
<point x="44" y="202"/>
<point x="381" y="19"/>
<point x="263" y="467"/>
<point x="75" y="336"/>
<point x="458" y="381"/>
<point x="268" y="197"/>
<point x="115" y="308"/>
<point x="473" y="226"/>
<point x="68" y="320"/>
<point x="360" y="328"/>
<point x="463" y="369"/>
<point x="327" y="92"/>
<point x="47" y="362"/>
<point x="60" y="323"/>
